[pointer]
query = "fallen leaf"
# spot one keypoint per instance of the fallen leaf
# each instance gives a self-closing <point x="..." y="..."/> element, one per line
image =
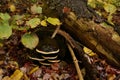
<point x="5" y="31"/>
<point x="6" y="78"/>
<point x="12" y="7"/>
<point x="46" y="76"/>
<point x="43" y="23"/>
<point x="33" y="70"/>
<point x="30" y="40"/>
<point x="5" y="16"/>
<point x="37" y="73"/>
<point x="17" y="75"/>
<point x="88" y="51"/>
<point x="36" y="9"/>
<point x="33" y="23"/>
<point x="55" y="66"/>
<point x="53" y="21"/>
<point x="92" y="3"/>
<point x="110" y="8"/>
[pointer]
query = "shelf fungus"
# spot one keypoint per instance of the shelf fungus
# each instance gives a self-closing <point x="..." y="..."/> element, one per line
<point x="46" y="54"/>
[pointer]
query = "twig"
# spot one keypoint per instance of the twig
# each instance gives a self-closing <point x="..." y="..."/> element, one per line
<point x="91" y="71"/>
<point x="55" y="32"/>
<point x="76" y="63"/>
<point x="67" y="37"/>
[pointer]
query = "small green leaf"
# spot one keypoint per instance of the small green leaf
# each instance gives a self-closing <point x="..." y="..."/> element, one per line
<point x="110" y="8"/>
<point x="36" y="9"/>
<point x="18" y="17"/>
<point x="30" y="40"/>
<point x="4" y="16"/>
<point x="54" y="21"/>
<point x="5" y="31"/>
<point x="33" y="23"/>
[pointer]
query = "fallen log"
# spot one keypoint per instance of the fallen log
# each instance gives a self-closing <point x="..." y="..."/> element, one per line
<point x="80" y="22"/>
<point x="104" y="41"/>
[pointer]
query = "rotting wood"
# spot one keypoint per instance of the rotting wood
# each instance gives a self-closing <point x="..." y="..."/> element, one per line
<point x="103" y="40"/>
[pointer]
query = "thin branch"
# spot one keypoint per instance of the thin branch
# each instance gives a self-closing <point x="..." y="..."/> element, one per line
<point x="90" y="69"/>
<point x="55" y="32"/>
<point x="75" y="62"/>
<point x="67" y="37"/>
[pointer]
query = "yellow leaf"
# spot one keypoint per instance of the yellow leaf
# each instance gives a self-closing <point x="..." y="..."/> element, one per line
<point x="88" y="51"/>
<point x="1" y="44"/>
<point x="111" y="77"/>
<point x="33" y="70"/>
<point x="92" y="3"/>
<point x="12" y="7"/>
<point x="54" y="21"/>
<point x="43" y="23"/>
<point x="109" y="18"/>
<point x="25" y="77"/>
<point x="17" y="75"/>
<point x="110" y="8"/>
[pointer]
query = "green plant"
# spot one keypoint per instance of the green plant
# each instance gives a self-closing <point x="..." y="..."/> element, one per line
<point x="26" y="23"/>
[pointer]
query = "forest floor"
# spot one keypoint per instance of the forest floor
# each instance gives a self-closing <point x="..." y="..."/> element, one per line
<point x="14" y="61"/>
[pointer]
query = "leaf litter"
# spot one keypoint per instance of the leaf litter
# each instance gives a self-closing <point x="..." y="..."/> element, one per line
<point x="11" y="66"/>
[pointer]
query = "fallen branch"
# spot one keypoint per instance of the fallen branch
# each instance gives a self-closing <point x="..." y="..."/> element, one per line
<point x="91" y="71"/>
<point x="55" y="32"/>
<point x="75" y="62"/>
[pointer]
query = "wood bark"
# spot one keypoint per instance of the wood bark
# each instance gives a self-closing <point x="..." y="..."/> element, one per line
<point x="102" y="40"/>
<point x="105" y="41"/>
